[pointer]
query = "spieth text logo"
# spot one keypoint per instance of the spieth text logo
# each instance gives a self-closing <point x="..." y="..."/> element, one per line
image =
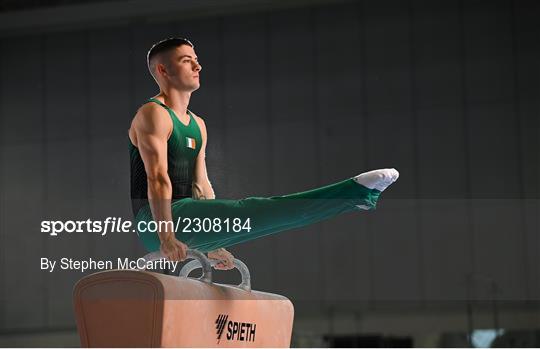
<point x="240" y="331"/>
<point x="221" y="321"/>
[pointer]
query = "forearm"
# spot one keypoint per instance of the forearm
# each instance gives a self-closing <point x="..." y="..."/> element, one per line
<point x="203" y="191"/>
<point x="159" y="197"/>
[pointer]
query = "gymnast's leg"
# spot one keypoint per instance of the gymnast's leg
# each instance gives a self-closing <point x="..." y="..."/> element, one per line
<point x="269" y="215"/>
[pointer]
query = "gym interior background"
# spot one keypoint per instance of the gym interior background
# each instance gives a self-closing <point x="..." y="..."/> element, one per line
<point x="295" y="94"/>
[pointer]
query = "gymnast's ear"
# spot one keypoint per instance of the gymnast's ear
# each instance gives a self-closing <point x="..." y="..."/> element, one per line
<point x="161" y="69"/>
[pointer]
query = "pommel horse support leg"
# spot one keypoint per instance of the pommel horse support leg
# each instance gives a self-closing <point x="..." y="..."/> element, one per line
<point x="137" y="308"/>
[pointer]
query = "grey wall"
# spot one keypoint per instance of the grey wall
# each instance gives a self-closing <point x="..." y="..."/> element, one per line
<point x="447" y="92"/>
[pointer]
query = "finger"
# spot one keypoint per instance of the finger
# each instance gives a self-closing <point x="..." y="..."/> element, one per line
<point x="176" y="254"/>
<point x="170" y="254"/>
<point x="226" y="265"/>
<point x="183" y="252"/>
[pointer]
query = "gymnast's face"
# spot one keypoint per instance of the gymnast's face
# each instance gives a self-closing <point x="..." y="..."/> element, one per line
<point x="182" y="68"/>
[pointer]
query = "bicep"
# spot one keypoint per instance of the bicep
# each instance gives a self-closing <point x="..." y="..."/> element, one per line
<point x="152" y="133"/>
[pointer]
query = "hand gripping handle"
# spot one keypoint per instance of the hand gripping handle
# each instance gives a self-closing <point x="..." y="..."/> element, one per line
<point x="191" y="254"/>
<point x="201" y="261"/>
<point x="238" y="264"/>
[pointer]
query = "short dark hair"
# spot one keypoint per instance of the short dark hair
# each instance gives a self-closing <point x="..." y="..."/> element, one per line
<point x="164" y="46"/>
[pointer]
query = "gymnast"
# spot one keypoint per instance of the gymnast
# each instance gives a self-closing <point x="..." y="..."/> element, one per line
<point x="169" y="179"/>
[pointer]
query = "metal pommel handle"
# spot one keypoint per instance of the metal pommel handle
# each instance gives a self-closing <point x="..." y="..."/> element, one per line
<point x="238" y="264"/>
<point x="198" y="257"/>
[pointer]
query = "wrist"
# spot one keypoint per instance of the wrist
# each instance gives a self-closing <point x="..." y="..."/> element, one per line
<point x="165" y="237"/>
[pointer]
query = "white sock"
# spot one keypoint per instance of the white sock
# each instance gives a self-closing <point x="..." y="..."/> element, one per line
<point x="377" y="179"/>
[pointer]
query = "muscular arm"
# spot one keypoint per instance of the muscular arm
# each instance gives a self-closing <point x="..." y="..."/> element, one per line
<point x="151" y="129"/>
<point x="202" y="189"/>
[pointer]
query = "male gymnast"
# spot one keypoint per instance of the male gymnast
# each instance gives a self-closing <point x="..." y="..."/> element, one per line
<point x="169" y="177"/>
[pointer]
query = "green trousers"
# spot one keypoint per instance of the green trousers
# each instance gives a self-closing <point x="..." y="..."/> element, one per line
<point x="207" y="225"/>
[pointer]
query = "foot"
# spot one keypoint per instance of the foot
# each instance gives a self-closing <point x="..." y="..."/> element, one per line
<point x="377" y="179"/>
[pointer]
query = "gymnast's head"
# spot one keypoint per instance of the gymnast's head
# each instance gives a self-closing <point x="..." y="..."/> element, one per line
<point x="174" y="65"/>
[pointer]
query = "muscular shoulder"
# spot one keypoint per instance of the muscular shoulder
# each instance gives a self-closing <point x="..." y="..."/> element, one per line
<point x="152" y="118"/>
